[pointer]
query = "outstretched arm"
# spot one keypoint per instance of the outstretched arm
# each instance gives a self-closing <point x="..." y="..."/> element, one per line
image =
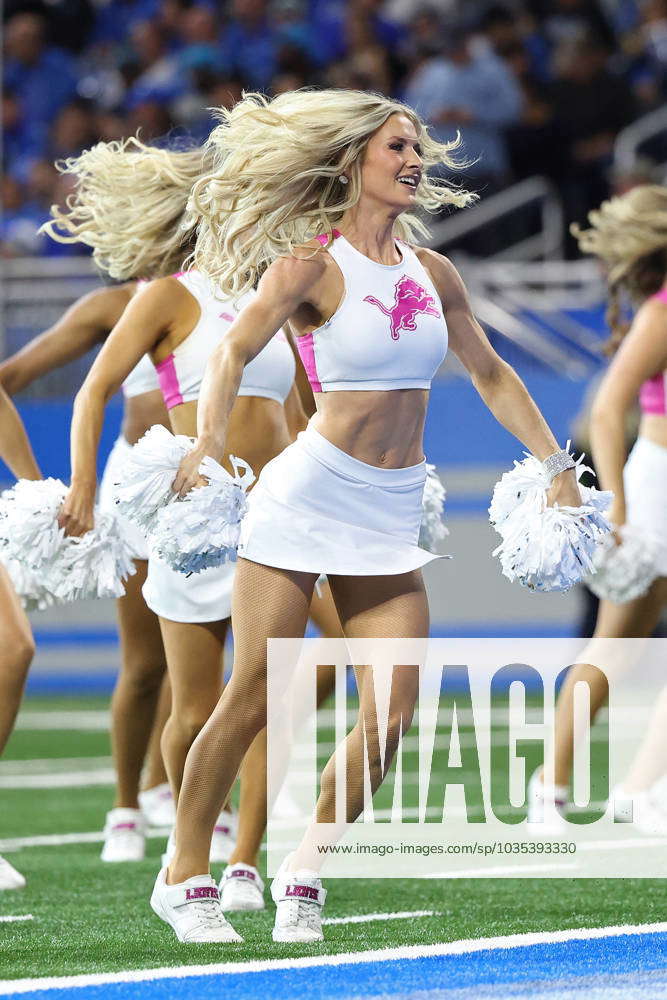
<point x="15" y="448"/>
<point x="85" y="324"/>
<point x="497" y="383"/>
<point x="642" y="354"/>
<point x="140" y="328"/>
<point x="285" y="285"/>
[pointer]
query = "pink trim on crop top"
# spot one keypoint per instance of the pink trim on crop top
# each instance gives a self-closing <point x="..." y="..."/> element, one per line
<point x="388" y="331"/>
<point x="653" y="393"/>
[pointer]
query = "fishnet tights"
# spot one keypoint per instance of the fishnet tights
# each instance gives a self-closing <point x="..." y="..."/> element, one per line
<point x="269" y="602"/>
<point x="266" y="602"/>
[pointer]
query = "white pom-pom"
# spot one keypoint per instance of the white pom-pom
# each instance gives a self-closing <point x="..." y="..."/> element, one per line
<point x="433" y="529"/>
<point x="94" y="565"/>
<point x="144" y="484"/>
<point x="29" y="587"/>
<point x="45" y="566"/>
<point x="202" y="530"/>
<point x="626" y="571"/>
<point x="546" y="548"/>
<point x="29" y="531"/>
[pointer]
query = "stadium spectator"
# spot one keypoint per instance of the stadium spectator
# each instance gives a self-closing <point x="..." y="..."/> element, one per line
<point x="249" y="43"/>
<point x="468" y="89"/>
<point x="74" y="130"/>
<point x="521" y="79"/>
<point x="43" y="77"/>
<point x="591" y="105"/>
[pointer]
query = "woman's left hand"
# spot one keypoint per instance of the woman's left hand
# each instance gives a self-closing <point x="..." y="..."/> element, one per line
<point x="564" y="490"/>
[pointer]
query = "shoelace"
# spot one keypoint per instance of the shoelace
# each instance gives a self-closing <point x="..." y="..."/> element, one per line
<point x="209" y="913"/>
<point x="301" y="913"/>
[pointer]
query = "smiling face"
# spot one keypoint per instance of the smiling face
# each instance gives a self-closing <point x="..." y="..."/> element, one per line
<point x="392" y="166"/>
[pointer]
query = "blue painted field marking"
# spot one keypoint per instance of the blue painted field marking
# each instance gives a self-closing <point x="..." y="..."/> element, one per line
<point x="555" y="958"/>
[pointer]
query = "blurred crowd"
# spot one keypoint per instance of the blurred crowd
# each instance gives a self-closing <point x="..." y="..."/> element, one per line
<point x="534" y="87"/>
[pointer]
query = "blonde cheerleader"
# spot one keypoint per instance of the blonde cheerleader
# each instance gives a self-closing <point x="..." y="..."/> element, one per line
<point x="140" y="702"/>
<point x="629" y="235"/>
<point x="315" y="194"/>
<point x="177" y="321"/>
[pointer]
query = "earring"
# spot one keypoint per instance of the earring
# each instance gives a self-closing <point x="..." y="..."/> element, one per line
<point x="343" y="179"/>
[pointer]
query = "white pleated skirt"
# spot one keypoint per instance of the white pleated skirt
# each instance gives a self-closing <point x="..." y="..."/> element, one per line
<point x="645" y="484"/>
<point x="112" y="474"/>
<point x="317" y="509"/>
<point x="199" y="597"/>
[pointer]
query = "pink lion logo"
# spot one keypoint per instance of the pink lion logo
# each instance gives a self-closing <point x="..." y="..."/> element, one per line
<point x="410" y="299"/>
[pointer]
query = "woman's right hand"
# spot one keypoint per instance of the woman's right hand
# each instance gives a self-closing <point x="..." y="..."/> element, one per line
<point x="77" y="512"/>
<point x="188" y="476"/>
<point x="617" y="515"/>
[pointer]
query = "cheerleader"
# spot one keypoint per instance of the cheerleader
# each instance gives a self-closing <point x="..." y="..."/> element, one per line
<point x="178" y="321"/>
<point x="140" y="702"/>
<point x="316" y="192"/>
<point x="629" y="235"/>
<point x="17" y="646"/>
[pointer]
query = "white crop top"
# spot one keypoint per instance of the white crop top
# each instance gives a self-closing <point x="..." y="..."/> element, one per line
<point x="269" y="375"/>
<point x="142" y="378"/>
<point x="389" y="331"/>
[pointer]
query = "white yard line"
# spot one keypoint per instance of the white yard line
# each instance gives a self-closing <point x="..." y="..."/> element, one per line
<point x="17" y="919"/>
<point x="407" y="952"/>
<point x="52" y="765"/>
<point x="367" y="918"/>
<point x="91" y="720"/>
<point x="66" y="779"/>
<point x="99" y="720"/>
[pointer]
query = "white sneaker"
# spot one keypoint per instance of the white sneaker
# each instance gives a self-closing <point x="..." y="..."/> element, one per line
<point x="650" y="812"/>
<point x="623" y="804"/>
<point x="547" y="806"/>
<point x="9" y="877"/>
<point x="223" y="841"/>
<point x="124" y="836"/>
<point x="299" y="898"/>
<point x="241" y="888"/>
<point x="193" y="909"/>
<point x="157" y="806"/>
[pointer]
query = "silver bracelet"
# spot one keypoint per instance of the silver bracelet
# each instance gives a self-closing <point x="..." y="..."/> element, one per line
<point x="557" y="463"/>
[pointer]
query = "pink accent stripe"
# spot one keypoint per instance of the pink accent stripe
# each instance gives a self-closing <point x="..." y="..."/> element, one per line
<point x="661" y="295"/>
<point x="323" y="238"/>
<point x="178" y="274"/>
<point x="306" y="349"/>
<point x="168" y="379"/>
<point x="653" y="395"/>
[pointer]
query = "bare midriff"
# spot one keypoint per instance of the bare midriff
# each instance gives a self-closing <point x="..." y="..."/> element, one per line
<point x="653" y="427"/>
<point x="384" y="428"/>
<point x="257" y="429"/>
<point x="141" y="412"/>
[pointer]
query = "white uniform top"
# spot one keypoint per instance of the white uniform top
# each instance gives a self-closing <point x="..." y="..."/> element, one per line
<point x="389" y="331"/>
<point x="269" y="375"/>
<point x="142" y="378"/>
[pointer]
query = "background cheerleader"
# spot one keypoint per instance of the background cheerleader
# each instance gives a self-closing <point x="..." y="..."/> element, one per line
<point x="629" y="235"/>
<point x="140" y="702"/>
<point x="178" y="320"/>
<point x="352" y="484"/>
<point x="17" y="646"/>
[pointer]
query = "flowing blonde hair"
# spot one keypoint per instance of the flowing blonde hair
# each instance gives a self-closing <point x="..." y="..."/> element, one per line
<point x="129" y="204"/>
<point x="275" y="183"/>
<point x="629" y="234"/>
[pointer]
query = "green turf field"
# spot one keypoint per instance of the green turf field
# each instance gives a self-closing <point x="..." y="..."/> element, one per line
<point x="94" y="917"/>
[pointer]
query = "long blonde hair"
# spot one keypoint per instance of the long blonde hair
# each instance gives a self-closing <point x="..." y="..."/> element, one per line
<point x="129" y="204"/>
<point x="275" y="183"/>
<point x="629" y="234"/>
